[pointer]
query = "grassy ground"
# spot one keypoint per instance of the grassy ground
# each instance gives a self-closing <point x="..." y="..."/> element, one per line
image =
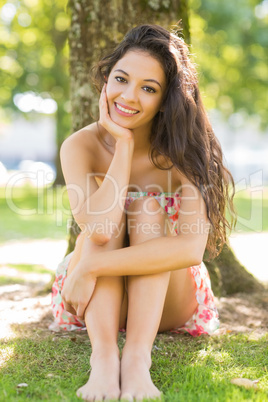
<point x="34" y="214"/>
<point x="55" y="365"/>
<point x="184" y="368"/>
<point x="252" y="211"/>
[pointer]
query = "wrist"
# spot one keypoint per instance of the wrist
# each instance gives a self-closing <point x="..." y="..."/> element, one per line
<point x="88" y="267"/>
<point x="125" y="143"/>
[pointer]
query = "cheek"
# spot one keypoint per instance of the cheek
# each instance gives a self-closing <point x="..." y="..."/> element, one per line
<point x="111" y="90"/>
<point x="153" y="106"/>
<point x="109" y="94"/>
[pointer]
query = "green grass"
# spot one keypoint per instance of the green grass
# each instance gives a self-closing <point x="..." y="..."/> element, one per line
<point x="29" y="268"/>
<point x="22" y="269"/>
<point x="184" y="368"/>
<point x="9" y="280"/>
<point x="27" y="212"/>
<point x="252" y="211"/>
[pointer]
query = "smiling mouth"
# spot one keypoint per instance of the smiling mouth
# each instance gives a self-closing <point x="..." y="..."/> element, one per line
<point x="124" y="110"/>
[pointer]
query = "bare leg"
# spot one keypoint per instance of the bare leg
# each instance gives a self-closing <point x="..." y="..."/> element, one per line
<point x="152" y="307"/>
<point x="103" y="318"/>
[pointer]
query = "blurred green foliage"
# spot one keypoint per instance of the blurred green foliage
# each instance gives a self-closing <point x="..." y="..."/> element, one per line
<point x="34" y="51"/>
<point x="34" y="56"/>
<point x="230" y="42"/>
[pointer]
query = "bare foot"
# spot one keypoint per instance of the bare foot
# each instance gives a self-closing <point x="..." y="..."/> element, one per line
<point x="136" y="382"/>
<point x="103" y="383"/>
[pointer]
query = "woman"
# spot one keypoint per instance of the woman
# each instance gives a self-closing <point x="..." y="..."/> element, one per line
<point x="137" y="263"/>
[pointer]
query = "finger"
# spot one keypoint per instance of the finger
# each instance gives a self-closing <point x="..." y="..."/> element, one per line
<point x="68" y="307"/>
<point x="103" y="90"/>
<point x="103" y="99"/>
<point x="81" y="311"/>
<point x="104" y="113"/>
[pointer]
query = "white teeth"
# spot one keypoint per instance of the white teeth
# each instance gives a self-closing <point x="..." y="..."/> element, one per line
<point x="126" y="110"/>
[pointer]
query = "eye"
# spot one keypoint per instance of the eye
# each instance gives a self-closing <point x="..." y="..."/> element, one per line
<point x="149" y="89"/>
<point x="120" y="79"/>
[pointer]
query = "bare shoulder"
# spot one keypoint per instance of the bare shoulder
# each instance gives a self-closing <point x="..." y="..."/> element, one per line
<point x="183" y="180"/>
<point x="81" y="147"/>
<point x="77" y="155"/>
<point x="191" y="198"/>
<point x="85" y="138"/>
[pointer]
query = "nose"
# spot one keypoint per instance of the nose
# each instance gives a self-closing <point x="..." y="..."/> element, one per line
<point x="129" y="94"/>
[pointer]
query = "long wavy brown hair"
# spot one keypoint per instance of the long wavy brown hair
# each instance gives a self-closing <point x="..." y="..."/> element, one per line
<point x="181" y="131"/>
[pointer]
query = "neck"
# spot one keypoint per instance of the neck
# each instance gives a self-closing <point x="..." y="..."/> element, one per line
<point x="141" y="140"/>
<point x="140" y="136"/>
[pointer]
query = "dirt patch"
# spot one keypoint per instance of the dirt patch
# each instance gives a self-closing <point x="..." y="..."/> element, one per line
<point x="23" y="310"/>
<point x="244" y="312"/>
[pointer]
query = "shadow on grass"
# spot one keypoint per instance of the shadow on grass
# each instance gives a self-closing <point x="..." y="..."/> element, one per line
<point x="54" y="365"/>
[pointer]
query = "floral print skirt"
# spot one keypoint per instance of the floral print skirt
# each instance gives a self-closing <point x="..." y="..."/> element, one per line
<point x="205" y="319"/>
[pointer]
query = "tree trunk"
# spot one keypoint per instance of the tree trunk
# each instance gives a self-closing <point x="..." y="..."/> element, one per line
<point x="228" y="276"/>
<point x="97" y="27"/>
<point x="61" y="135"/>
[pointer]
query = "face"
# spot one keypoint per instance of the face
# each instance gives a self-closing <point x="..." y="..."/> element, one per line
<point x="135" y="90"/>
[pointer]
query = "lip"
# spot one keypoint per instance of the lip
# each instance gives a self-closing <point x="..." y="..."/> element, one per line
<point x="125" y="107"/>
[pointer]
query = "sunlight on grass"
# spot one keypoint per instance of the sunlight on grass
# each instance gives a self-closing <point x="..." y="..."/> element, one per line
<point x="29" y="268"/>
<point x="23" y="274"/>
<point x="7" y="280"/>
<point x="6" y="354"/>
<point x="184" y="368"/>
<point x="252" y="211"/>
<point x="28" y="212"/>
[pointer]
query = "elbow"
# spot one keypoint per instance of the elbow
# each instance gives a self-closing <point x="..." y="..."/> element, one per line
<point x="92" y="233"/>
<point x="196" y="260"/>
<point x="99" y="239"/>
<point x="196" y="253"/>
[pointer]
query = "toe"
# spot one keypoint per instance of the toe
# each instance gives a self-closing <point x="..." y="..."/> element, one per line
<point x="111" y="397"/>
<point x="99" y="398"/>
<point x="126" y="397"/>
<point x="79" y="393"/>
<point x="84" y="395"/>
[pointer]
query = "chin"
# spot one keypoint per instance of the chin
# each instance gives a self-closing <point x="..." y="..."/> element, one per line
<point x="122" y="122"/>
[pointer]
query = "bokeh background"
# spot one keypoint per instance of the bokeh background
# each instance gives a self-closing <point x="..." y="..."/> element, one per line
<point x="228" y="43"/>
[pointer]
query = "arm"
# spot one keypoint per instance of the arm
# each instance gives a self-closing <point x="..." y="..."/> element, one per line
<point x="94" y="208"/>
<point x="97" y="205"/>
<point x="163" y="253"/>
<point x="154" y="256"/>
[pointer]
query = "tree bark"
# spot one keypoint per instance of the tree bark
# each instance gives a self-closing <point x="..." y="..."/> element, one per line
<point x="229" y="276"/>
<point x="98" y="26"/>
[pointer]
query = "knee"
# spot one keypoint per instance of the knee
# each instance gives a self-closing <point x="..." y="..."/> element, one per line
<point x="145" y="218"/>
<point x="146" y="209"/>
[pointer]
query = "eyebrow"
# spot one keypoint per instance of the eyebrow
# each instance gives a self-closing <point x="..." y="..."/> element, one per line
<point x="148" y="80"/>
